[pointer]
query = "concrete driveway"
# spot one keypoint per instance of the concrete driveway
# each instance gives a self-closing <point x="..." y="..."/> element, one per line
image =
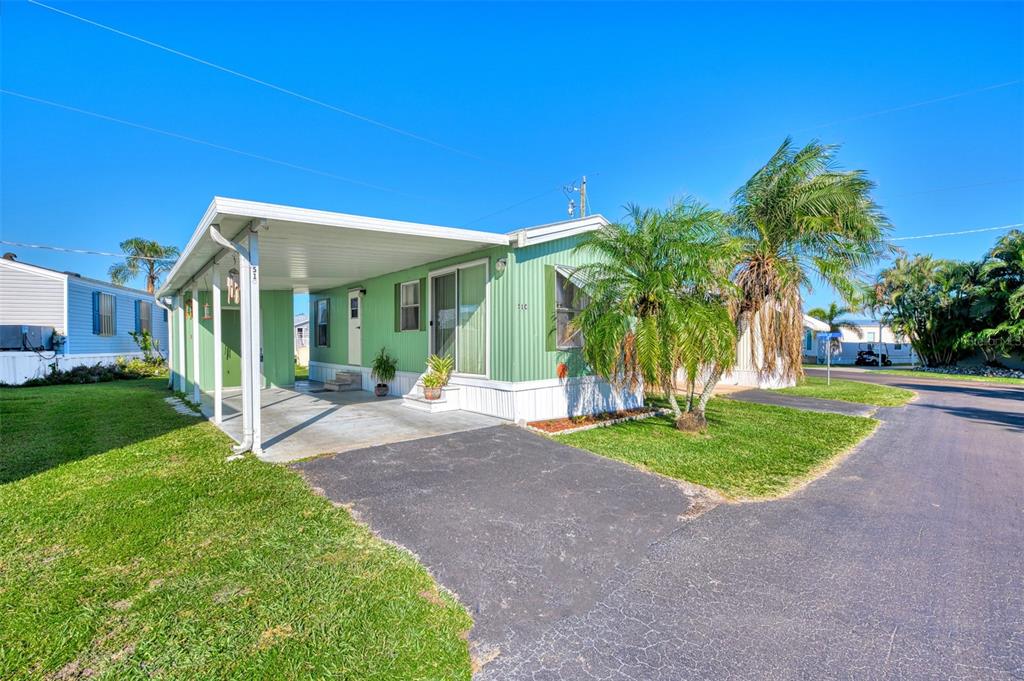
<point x="904" y="561"/>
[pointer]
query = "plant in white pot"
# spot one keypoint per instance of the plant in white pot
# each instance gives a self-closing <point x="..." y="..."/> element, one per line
<point x="383" y="368"/>
<point x="439" y="370"/>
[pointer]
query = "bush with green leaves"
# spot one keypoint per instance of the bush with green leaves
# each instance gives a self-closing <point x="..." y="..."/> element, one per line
<point x="121" y="369"/>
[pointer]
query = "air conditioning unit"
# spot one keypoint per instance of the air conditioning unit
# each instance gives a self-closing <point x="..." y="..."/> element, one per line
<point x="23" y="337"/>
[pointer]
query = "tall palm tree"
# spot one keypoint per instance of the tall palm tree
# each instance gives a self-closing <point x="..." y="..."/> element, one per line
<point x="143" y="256"/>
<point x="797" y="217"/>
<point x="655" y="299"/>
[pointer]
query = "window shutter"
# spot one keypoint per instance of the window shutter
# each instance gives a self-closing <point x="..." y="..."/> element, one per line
<point x="550" y="283"/>
<point x="423" y="304"/>
<point x="138" y="316"/>
<point x="113" y="315"/>
<point x="398" y="307"/>
<point x="96" y="312"/>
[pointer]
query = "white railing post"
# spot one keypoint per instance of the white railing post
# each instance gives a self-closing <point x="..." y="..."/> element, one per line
<point x="218" y="387"/>
<point x="179" y="324"/>
<point x="196" y="393"/>
<point x="255" y="338"/>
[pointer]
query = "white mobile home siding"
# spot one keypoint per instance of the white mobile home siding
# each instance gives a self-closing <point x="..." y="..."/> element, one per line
<point x="30" y="296"/>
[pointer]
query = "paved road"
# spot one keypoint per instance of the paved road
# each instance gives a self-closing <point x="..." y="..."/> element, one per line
<point x="778" y="399"/>
<point x="905" y="561"/>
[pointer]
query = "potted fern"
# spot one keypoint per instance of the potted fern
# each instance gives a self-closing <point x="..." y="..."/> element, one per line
<point x="439" y="370"/>
<point x="383" y="368"/>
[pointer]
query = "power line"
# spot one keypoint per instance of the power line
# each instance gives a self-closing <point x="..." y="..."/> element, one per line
<point x="252" y="79"/>
<point x="80" y="251"/>
<point x="912" y="105"/>
<point x="966" y="231"/>
<point x="212" y="145"/>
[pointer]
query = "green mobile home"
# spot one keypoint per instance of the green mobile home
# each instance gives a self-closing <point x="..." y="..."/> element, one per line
<point x="500" y="304"/>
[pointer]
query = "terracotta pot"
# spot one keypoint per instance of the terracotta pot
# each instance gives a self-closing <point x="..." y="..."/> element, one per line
<point x="381" y="390"/>
<point x="432" y="393"/>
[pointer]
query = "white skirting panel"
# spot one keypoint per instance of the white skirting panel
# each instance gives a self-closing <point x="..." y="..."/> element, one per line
<point x="18" y="367"/>
<point x="523" y="401"/>
<point x="404" y="381"/>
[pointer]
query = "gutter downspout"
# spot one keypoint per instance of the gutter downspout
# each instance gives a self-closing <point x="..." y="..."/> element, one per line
<point x="250" y="345"/>
<point x="170" y="350"/>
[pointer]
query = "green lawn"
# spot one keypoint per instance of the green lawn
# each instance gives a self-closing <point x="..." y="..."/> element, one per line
<point x="951" y="377"/>
<point x="850" y="391"/>
<point x="750" y="451"/>
<point x="301" y="373"/>
<point x="129" y="549"/>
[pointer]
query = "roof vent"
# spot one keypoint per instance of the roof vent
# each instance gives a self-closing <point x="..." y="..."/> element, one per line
<point x="10" y="256"/>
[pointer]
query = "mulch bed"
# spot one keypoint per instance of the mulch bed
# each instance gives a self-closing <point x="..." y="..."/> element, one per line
<point x="590" y="420"/>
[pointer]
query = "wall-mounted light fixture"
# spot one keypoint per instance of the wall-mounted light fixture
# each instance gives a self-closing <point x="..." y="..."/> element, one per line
<point x="206" y="311"/>
<point x="500" y="264"/>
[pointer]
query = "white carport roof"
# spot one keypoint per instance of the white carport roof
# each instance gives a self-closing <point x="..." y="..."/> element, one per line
<point x="303" y="249"/>
<point x="815" y="324"/>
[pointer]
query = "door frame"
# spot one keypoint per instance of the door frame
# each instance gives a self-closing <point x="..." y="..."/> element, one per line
<point x="358" y="294"/>
<point x="433" y="274"/>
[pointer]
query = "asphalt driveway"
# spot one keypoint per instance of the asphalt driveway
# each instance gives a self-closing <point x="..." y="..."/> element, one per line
<point x="904" y="561"/>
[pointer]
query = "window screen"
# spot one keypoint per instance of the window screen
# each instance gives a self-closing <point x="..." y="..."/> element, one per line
<point x="410" y="306"/>
<point x="569" y="300"/>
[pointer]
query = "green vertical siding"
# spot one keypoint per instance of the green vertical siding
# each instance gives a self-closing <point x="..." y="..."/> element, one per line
<point x="277" y="340"/>
<point x="518" y="320"/>
<point x="528" y="324"/>
<point x="410" y="348"/>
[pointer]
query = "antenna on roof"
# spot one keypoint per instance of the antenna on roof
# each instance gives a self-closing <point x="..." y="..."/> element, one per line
<point x="572" y="188"/>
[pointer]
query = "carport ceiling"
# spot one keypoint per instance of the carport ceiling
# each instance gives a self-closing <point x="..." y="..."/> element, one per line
<point x="304" y="249"/>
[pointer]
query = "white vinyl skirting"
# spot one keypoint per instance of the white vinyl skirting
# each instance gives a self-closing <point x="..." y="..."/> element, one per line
<point x="17" y="367"/>
<point x="521" y="401"/>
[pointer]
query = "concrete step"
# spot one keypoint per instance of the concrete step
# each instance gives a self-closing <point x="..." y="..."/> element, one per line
<point x="345" y="380"/>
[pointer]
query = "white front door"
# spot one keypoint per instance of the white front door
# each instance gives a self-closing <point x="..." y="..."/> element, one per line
<point x="355" y="328"/>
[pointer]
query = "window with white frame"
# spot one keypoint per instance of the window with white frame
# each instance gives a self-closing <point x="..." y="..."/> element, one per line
<point x="323" y="310"/>
<point x="569" y="301"/>
<point x="409" y="315"/>
<point x="144" y="316"/>
<point x="104" y="314"/>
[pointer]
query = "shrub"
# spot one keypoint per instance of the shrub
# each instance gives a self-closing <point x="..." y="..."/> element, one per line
<point x="121" y="369"/>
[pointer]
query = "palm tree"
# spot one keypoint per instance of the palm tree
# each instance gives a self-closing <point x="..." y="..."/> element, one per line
<point x="831" y="315"/>
<point x="797" y="216"/>
<point x="146" y="257"/>
<point x="655" y="300"/>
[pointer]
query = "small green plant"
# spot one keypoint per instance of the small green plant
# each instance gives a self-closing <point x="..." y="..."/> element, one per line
<point x="432" y="380"/>
<point x="384" y="367"/>
<point x="440" y="366"/>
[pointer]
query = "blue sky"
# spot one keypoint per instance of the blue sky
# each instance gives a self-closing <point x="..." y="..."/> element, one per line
<point x="651" y="101"/>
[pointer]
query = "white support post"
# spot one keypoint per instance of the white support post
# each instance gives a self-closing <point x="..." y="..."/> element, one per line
<point x="255" y="338"/>
<point x="171" y="366"/>
<point x="218" y="351"/>
<point x="196" y="394"/>
<point x="179" y="324"/>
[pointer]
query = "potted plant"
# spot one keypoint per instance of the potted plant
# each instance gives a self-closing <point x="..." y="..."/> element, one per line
<point x="383" y="368"/>
<point x="439" y="370"/>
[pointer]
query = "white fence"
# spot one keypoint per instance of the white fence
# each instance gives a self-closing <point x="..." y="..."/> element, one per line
<point x="18" y="367"/>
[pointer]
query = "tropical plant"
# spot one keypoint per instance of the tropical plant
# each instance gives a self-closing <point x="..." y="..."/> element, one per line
<point x="149" y="346"/>
<point x="949" y="308"/>
<point x="143" y="256"/>
<point x="831" y="316"/>
<point x="655" y="300"/>
<point x="798" y="218"/>
<point x="439" y="368"/>
<point x="384" y="367"/>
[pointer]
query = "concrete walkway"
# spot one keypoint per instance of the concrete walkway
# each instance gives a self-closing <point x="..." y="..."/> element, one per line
<point x="305" y="420"/>
<point x="807" y="403"/>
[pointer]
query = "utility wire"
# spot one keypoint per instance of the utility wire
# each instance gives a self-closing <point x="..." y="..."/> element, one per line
<point x="966" y="231"/>
<point x="904" y="107"/>
<point x="80" y="251"/>
<point x="213" y="145"/>
<point x="252" y="79"/>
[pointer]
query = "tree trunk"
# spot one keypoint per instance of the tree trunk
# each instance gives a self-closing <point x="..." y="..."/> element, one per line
<point x="670" y="395"/>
